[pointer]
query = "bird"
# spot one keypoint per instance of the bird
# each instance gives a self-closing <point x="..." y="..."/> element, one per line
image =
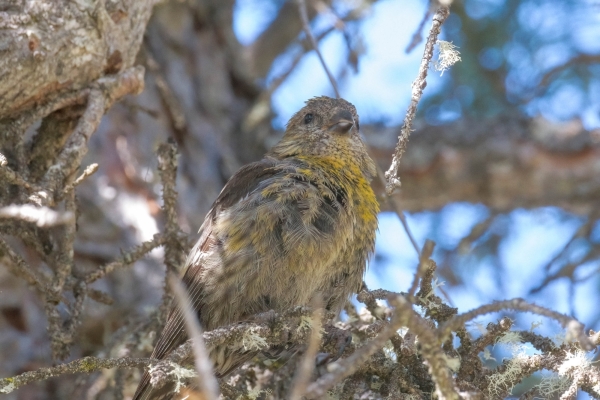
<point x="297" y="224"/>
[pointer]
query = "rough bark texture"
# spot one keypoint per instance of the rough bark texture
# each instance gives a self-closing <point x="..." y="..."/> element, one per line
<point x="50" y="47"/>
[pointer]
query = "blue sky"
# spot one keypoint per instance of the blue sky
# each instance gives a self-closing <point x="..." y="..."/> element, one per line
<point x="550" y="33"/>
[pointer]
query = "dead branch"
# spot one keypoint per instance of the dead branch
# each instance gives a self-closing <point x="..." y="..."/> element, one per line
<point x="419" y="84"/>
<point x="207" y="383"/>
<point x="306" y="27"/>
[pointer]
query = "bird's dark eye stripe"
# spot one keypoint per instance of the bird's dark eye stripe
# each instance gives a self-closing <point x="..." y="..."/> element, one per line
<point x="308" y="118"/>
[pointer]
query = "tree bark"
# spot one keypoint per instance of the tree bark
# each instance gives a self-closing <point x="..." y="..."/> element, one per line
<point x="50" y="47"/>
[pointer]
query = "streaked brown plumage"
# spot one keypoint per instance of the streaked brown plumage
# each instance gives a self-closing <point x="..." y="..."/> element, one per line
<point x="299" y="222"/>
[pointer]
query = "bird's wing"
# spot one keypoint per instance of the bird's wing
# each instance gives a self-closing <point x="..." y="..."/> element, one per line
<point x="270" y="213"/>
<point x="173" y="335"/>
<point x="238" y="187"/>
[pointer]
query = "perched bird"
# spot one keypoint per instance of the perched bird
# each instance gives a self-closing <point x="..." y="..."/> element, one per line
<point x="300" y="222"/>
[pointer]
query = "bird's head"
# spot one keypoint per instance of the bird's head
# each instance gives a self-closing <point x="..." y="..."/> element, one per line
<point x="328" y="128"/>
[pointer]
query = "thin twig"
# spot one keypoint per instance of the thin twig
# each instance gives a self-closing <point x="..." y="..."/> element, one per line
<point x="586" y="59"/>
<point x="13" y="177"/>
<point x="61" y="331"/>
<point x="172" y="103"/>
<point x="584" y="231"/>
<point x="89" y="170"/>
<point x="100" y="297"/>
<point x="62" y="336"/>
<point x="174" y="253"/>
<point x="476" y="232"/>
<point x="391" y="200"/>
<point x="83" y="365"/>
<point x="417" y="37"/>
<point x="423" y="264"/>
<point x="63" y="255"/>
<point x="306" y="46"/>
<point x="307" y="364"/>
<point x="307" y="31"/>
<point x="20" y="268"/>
<point x="419" y="84"/>
<point x="43" y="217"/>
<point x="574" y="327"/>
<point x="258" y="113"/>
<point x="126" y="259"/>
<point x="74" y="150"/>
<point x="207" y="383"/>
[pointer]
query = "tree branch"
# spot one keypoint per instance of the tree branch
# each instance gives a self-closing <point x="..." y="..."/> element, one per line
<point x="419" y="84"/>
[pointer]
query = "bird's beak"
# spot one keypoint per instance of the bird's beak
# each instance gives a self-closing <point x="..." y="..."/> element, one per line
<point x="341" y="122"/>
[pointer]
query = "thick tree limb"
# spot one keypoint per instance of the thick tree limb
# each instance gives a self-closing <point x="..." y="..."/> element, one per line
<point x="503" y="163"/>
<point x="63" y="46"/>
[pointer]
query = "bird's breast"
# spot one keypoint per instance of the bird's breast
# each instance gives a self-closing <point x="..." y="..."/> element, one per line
<point x="278" y="246"/>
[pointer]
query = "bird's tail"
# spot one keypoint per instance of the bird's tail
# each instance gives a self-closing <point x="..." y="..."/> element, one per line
<point x="145" y="390"/>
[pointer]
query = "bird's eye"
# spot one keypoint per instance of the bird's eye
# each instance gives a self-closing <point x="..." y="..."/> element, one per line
<point x="308" y="118"/>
